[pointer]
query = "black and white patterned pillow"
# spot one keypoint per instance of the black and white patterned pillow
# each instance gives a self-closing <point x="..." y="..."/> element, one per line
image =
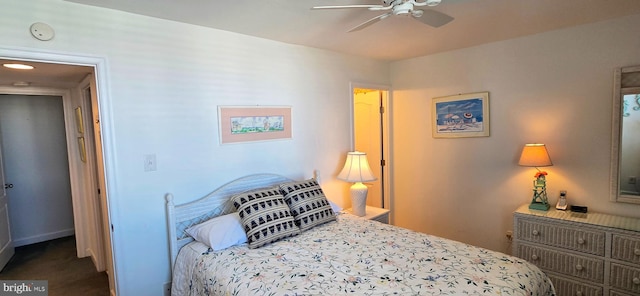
<point x="265" y="216"/>
<point x="309" y="206"/>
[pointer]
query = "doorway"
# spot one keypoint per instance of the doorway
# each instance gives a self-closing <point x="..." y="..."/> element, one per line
<point x="371" y="135"/>
<point x="58" y="81"/>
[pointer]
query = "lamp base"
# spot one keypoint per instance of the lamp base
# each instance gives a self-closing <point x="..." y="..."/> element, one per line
<point x="359" y="199"/>
<point x="540" y="206"/>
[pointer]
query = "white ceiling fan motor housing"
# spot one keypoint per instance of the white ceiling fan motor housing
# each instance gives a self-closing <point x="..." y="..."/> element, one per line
<point x="403" y="8"/>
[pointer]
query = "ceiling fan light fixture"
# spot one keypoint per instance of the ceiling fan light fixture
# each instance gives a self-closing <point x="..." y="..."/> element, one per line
<point x="428" y="17"/>
<point x="403" y="9"/>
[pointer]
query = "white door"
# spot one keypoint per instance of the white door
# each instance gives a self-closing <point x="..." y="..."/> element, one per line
<point x="91" y="94"/>
<point x="6" y="245"/>
<point x="36" y="163"/>
<point x="368" y="138"/>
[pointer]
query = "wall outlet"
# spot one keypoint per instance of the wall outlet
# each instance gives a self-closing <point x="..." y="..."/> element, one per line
<point x="166" y="289"/>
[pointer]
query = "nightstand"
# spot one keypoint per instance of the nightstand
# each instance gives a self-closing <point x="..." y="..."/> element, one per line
<point x="376" y="214"/>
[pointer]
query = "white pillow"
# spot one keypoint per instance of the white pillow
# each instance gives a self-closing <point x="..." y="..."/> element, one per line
<point x="334" y="206"/>
<point x="220" y="232"/>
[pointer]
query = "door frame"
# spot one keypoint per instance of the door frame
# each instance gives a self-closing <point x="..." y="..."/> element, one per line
<point x="99" y="65"/>
<point x="386" y="136"/>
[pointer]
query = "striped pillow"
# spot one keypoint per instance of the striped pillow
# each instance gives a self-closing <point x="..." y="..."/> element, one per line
<point x="309" y="206"/>
<point x="265" y="216"/>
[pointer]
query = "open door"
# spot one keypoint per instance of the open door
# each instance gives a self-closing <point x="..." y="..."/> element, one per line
<point x="371" y="135"/>
<point x="368" y="138"/>
<point x="6" y="244"/>
<point x="90" y="97"/>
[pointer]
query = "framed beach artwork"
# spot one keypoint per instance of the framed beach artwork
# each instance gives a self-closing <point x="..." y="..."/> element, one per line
<point x="254" y="123"/>
<point x="460" y="116"/>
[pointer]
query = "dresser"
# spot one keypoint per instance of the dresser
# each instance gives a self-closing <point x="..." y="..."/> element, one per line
<point x="584" y="254"/>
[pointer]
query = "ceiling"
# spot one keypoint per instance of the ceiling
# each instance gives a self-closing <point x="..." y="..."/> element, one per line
<point x="43" y="75"/>
<point x="395" y="38"/>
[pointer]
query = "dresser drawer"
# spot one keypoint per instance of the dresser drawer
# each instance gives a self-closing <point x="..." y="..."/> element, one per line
<point x="582" y="239"/>
<point x="625" y="278"/>
<point x="618" y="293"/>
<point x="625" y="248"/>
<point x="587" y="268"/>
<point x="566" y="287"/>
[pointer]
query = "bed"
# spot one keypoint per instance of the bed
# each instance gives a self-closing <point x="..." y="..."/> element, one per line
<point x="328" y="252"/>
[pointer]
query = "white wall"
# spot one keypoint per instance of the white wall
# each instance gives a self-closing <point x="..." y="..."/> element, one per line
<point x="165" y="81"/>
<point x="553" y="88"/>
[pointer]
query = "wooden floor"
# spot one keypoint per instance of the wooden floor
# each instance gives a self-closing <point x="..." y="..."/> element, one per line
<point x="56" y="262"/>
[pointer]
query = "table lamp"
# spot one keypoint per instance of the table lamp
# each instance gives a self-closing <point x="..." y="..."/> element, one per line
<point x="356" y="169"/>
<point x="536" y="155"/>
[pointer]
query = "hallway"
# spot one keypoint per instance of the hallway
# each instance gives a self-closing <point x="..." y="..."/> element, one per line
<point x="56" y="262"/>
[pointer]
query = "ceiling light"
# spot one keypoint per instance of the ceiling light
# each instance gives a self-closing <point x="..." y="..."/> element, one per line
<point x="18" y="66"/>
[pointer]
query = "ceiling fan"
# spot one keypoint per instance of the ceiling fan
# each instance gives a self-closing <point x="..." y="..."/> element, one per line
<point x="399" y="7"/>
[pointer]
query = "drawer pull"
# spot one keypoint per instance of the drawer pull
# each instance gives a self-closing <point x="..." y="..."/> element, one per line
<point x="636" y="252"/>
<point x="534" y="257"/>
<point x="580" y="241"/>
<point x="535" y="232"/>
<point x="578" y="267"/>
<point x="636" y="281"/>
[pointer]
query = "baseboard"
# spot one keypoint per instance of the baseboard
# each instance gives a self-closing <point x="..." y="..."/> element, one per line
<point x="42" y="237"/>
<point x="94" y="257"/>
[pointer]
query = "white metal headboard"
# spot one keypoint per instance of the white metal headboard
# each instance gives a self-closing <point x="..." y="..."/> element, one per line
<point x="216" y="203"/>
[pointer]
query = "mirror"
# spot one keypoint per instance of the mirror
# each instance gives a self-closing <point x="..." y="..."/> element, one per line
<point x="625" y="146"/>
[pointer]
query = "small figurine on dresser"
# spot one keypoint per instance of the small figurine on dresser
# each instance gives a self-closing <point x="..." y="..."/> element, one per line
<point x="540" y="200"/>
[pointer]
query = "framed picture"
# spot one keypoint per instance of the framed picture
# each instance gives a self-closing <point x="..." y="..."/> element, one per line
<point x="79" y="124"/>
<point x="459" y="116"/>
<point x="254" y="123"/>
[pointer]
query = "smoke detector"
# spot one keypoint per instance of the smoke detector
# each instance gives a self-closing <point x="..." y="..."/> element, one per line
<point x="42" y="31"/>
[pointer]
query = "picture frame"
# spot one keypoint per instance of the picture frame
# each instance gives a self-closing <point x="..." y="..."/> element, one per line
<point x="82" y="149"/>
<point x="239" y="124"/>
<point x="461" y="116"/>
<point x="79" y="121"/>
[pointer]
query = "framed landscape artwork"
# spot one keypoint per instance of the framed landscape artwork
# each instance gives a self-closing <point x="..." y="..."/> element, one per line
<point x="459" y="116"/>
<point x="254" y="123"/>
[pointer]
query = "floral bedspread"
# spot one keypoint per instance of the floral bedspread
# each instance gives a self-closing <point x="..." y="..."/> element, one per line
<point x="359" y="257"/>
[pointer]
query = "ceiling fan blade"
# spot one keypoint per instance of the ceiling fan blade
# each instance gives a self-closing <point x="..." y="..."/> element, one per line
<point x="371" y="21"/>
<point x="426" y="2"/>
<point x="434" y="18"/>
<point x="348" y="6"/>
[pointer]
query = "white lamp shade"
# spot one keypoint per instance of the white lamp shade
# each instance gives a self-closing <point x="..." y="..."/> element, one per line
<point x="356" y="168"/>
<point x="535" y="155"/>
